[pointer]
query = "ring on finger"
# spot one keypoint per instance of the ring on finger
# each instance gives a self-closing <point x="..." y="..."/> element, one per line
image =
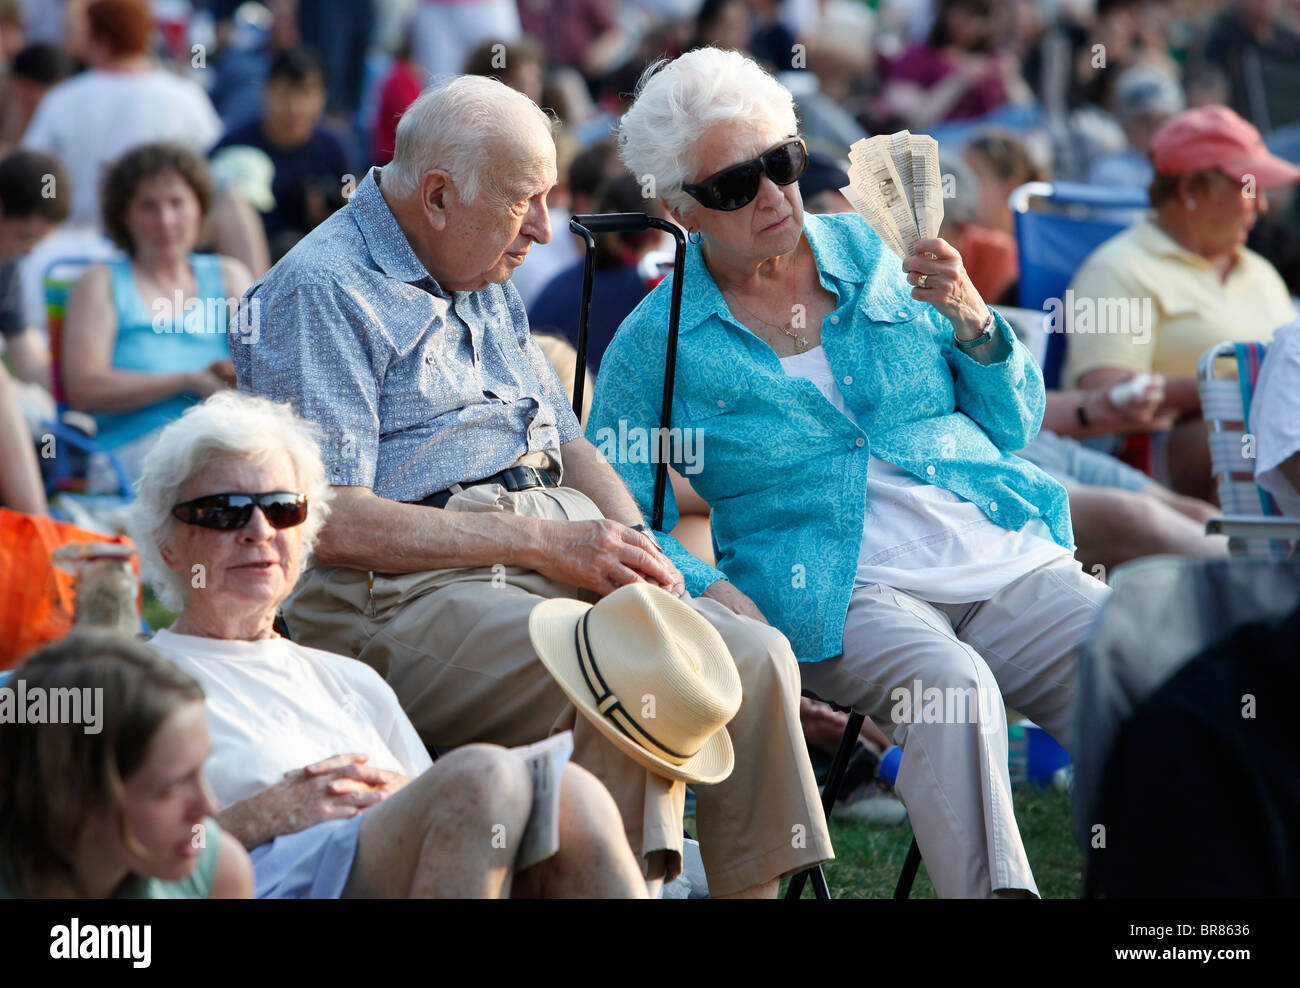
<point x="921" y="280"/>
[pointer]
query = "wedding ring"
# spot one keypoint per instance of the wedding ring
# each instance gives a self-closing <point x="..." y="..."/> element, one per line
<point x="921" y="280"/>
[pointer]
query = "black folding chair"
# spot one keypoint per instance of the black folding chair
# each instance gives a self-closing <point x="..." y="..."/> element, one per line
<point x="586" y="226"/>
<point x="830" y="793"/>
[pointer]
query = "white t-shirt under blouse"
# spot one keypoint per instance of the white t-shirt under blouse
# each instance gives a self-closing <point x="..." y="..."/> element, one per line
<point x="274" y="706"/>
<point x="924" y="539"/>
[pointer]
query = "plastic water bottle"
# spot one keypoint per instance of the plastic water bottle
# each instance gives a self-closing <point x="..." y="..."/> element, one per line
<point x="887" y="770"/>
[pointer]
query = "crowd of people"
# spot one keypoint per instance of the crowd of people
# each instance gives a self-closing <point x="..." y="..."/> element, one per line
<point x="299" y="273"/>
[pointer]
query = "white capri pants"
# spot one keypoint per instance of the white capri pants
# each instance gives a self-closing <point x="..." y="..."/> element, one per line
<point x="1020" y="644"/>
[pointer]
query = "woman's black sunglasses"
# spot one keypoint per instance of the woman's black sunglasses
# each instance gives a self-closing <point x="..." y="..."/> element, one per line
<point x="228" y="512"/>
<point x="736" y="187"/>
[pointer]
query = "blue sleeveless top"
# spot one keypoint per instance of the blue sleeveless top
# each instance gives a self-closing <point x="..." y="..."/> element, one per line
<point x="155" y="338"/>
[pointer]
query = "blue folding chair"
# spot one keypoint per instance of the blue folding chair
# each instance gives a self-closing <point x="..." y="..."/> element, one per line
<point x="1058" y="224"/>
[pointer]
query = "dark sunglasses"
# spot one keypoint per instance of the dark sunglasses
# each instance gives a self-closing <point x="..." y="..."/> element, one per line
<point x="736" y="187"/>
<point x="228" y="512"/>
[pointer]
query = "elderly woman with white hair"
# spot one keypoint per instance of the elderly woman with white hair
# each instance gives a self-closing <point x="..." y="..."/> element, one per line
<point x="857" y="417"/>
<point x="319" y="772"/>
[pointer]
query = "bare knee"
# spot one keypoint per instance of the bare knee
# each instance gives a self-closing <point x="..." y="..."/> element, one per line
<point x="1101" y="512"/>
<point x="586" y="801"/>
<point x="1114" y="525"/>
<point x="480" y="783"/>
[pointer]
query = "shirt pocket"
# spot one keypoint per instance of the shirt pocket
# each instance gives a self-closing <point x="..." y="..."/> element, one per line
<point x="903" y="358"/>
<point x="709" y="403"/>
<point x="892" y="311"/>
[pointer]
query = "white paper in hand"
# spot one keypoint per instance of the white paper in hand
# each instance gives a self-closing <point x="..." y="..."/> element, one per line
<point x="894" y="183"/>
<point x="927" y="185"/>
<point x="545" y="761"/>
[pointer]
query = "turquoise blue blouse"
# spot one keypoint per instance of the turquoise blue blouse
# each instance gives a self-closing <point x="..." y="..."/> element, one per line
<point x="153" y="339"/>
<point x="784" y="471"/>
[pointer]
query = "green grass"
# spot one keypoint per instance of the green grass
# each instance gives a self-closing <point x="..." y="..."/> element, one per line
<point x="868" y="857"/>
<point x="157" y="616"/>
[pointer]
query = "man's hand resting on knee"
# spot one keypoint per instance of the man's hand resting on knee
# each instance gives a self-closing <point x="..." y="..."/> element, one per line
<point x="334" y="789"/>
<point x="603" y="556"/>
<point x="732" y="599"/>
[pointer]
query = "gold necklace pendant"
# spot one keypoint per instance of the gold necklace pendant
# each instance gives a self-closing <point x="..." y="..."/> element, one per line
<point x="800" y="342"/>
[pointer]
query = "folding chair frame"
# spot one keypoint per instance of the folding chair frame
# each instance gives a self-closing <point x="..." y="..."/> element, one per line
<point x="1250" y="514"/>
<point x="586" y="226"/>
<point x="830" y="793"/>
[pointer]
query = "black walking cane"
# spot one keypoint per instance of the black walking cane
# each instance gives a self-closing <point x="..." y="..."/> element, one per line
<point x="586" y="226"/>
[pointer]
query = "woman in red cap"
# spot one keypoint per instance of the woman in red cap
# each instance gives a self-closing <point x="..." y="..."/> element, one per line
<point x="1180" y="280"/>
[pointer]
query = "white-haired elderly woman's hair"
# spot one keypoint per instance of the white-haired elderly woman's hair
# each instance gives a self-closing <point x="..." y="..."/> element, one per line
<point x="454" y="126"/>
<point x="227" y="424"/>
<point x="676" y="101"/>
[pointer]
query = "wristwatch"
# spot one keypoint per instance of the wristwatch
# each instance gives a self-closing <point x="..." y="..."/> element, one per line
<point x="1081" y="411"/>
<point x="984" y="337"/>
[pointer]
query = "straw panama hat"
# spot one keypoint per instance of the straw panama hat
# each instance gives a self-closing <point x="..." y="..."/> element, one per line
<point x="651" y="674"/>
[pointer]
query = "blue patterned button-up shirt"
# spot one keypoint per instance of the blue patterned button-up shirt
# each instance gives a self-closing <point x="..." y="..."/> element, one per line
<point x="784" y="471"/>
<point x="414" y="388"/>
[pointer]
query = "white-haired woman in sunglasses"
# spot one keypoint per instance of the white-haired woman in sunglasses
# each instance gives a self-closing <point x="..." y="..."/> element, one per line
<point x="855" y="415"/>
<point x="318" y="771"/>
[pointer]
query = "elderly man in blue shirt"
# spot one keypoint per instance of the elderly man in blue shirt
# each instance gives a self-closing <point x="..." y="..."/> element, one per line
<point x="851" y="419"/>
<point x="466" y="493"/>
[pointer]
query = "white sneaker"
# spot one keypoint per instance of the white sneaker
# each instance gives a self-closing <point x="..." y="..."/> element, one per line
<point x="871" y="803"/>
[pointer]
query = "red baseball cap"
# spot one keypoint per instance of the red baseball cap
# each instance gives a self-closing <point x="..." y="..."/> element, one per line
<point x="1215" y="137"/>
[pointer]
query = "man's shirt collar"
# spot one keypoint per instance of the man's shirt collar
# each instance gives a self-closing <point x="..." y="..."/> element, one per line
<point x="1151" y="238"/>
<point x="388" y="245"/>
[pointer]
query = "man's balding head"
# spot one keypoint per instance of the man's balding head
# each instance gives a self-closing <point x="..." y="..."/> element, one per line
<point x="474" y="128"/>
<point x="473" y="165"/>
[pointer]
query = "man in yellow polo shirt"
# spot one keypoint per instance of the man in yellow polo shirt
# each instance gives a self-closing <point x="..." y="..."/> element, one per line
<point x="1181" y="279"/>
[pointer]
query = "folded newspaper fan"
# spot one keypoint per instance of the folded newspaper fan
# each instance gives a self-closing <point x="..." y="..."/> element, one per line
<point x="894" y="183"/>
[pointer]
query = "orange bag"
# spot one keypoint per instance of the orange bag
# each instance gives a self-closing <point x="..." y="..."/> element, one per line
<point x="36" y="596"/>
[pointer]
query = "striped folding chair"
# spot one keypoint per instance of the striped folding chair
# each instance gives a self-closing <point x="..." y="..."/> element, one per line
<point x="59" y="280"/>
<point x="1251" y="518"/>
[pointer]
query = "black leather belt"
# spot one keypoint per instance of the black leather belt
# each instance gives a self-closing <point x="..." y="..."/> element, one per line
<point x="511" y="478"/>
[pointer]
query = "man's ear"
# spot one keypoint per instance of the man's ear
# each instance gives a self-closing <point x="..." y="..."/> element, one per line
<point x="437" y="191"/>
<point x="1193" y="185"/>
